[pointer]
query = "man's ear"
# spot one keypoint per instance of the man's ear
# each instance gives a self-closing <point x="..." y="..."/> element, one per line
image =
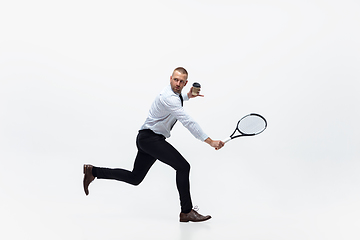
<point x="185" y="83"/>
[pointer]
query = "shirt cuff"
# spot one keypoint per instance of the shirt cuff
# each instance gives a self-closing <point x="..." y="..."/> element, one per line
<point x="204" y="137"/>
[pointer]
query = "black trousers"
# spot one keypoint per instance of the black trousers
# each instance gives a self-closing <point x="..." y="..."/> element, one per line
<point x="152" y="147"/>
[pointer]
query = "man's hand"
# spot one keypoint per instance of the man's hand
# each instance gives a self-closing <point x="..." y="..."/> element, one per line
<point x="217" y="144"/>
<point x="190" y="95"/>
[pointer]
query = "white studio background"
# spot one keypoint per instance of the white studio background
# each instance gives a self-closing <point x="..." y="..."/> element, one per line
<point x="77" y="79"/>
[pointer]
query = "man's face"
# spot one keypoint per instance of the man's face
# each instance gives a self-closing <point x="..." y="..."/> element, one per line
<point x="178" y="81"/>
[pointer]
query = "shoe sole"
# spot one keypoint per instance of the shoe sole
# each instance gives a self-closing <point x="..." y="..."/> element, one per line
<point x="84" y="169"/>
<point x="195" y="221"/>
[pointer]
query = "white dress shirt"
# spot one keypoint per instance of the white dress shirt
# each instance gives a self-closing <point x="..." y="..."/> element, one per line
<point x="164" y="112"/>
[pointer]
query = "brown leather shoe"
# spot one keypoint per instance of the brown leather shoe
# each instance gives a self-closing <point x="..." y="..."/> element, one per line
<point x="193" y="216"/>
<point x="88" y="178"/>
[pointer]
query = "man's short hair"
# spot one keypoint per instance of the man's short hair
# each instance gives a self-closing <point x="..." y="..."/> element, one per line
<point x="181" y="70"/>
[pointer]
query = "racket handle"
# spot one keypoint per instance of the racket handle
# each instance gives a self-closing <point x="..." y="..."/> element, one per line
<point x="226" y="140"/>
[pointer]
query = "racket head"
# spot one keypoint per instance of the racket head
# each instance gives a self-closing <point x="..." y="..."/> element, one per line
<point x="251" y="124"/>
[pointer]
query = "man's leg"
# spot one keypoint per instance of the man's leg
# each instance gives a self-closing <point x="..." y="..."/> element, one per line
<point x="152" y="146"/>
<point x="156" y="146"/>
<point x="142" y="164"/>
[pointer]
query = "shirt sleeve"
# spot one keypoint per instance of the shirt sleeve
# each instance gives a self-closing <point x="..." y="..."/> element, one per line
<point x="173" y="105"/>
<point x="185" y="96"/>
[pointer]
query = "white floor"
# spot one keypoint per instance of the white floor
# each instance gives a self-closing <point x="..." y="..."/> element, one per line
<point x="76" y="82"/>
<point x="246" y="201"/>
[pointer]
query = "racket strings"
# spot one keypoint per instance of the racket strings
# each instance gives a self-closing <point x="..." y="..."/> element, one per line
<point x="251" y="125"/>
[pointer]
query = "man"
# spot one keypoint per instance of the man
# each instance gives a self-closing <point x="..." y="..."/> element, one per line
<point x="163" y="114"/>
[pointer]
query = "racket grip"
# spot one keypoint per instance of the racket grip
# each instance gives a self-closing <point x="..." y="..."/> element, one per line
<point x="226" y="140"/>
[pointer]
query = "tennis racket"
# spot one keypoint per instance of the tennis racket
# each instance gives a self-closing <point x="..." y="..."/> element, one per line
<point x="250" y="125"/>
